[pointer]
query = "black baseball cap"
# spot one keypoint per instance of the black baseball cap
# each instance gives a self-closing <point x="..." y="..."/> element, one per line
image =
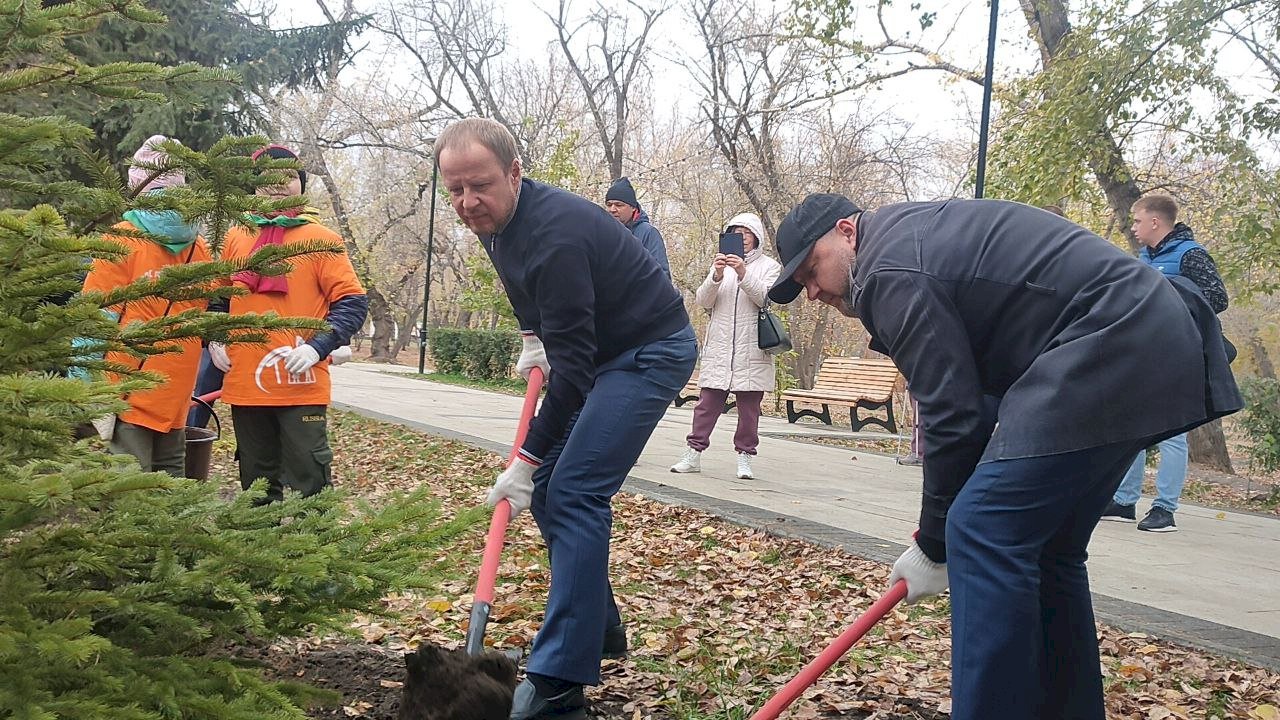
<point x="799" y="230"/>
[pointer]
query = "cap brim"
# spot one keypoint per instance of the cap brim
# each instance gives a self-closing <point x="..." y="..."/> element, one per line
<point x="785" y="289"/>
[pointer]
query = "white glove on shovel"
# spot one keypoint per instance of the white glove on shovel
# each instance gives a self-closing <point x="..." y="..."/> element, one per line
<point x="515" y="485"/>
<point x="533" y="355"/>
<point x="925" y="578"/>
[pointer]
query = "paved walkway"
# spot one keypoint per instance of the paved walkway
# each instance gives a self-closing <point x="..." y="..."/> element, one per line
<point x="1215" y="584"/>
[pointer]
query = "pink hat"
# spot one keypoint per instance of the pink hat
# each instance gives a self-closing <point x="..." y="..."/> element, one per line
<point x="151" y="155"/>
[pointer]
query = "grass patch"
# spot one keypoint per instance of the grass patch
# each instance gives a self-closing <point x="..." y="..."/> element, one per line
<point x="511" y="386"/>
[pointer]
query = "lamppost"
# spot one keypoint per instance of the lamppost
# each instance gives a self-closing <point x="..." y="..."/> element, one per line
<point x="983" y="130"/>
<point x="426" y="284"/>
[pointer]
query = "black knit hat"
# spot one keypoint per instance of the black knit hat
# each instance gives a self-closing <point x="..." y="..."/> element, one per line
<point x="280" y="152"/>
<point x="797" y="233"/>
<point x="621" y="190"/>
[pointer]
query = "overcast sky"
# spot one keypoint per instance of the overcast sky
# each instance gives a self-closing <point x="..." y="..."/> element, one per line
<point x="936" y="103"/>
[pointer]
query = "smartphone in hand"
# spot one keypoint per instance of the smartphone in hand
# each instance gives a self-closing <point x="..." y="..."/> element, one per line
<point x="732" y="244"/>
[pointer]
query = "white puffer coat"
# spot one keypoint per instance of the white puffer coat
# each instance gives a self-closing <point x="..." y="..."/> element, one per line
<point x="731" y="355"/>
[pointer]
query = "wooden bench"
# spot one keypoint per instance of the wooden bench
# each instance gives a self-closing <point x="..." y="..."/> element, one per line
<point x="858" y="383"/>
<point x="691" y="391"/>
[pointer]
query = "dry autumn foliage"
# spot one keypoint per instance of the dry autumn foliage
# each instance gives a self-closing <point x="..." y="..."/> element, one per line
<point x="721" y="615"/>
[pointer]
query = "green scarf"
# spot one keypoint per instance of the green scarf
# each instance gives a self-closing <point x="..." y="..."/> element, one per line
<point x="164" y="228"/>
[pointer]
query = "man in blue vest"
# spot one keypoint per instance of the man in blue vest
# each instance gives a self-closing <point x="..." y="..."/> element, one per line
<point x="1170" y="247"/>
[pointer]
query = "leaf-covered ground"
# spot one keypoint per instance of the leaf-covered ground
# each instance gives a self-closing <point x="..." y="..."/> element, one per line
<point x="720" y="615"/>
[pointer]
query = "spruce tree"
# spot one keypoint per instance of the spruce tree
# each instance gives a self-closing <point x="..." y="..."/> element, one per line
<point x="210" y="33"/>
<point x="121" y="590"/>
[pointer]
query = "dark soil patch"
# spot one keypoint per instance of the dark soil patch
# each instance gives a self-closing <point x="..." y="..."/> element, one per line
<point x="369" y="678"/>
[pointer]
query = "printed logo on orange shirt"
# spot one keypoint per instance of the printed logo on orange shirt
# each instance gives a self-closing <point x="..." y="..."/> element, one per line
<point x="275" y="361"/>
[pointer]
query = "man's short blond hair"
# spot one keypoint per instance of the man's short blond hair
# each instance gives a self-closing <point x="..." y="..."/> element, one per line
<point x="1162" y="205"/>
<point x="489" y="134"/>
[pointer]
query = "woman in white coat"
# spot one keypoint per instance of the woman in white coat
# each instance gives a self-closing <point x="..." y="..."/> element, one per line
<point x="732" y="360"/>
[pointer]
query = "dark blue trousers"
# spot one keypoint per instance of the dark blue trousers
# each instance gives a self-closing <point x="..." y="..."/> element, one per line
<point x="1023" y="641"/>
<point x="208" y="380"/>
<point x="572" y="490"/>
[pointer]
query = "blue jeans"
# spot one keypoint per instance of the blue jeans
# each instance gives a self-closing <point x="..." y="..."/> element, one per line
<point x="1023" y="642"/>
<point x="208" y="380"/>
<point x="572" y="491"/>
<point x="1170" y="477"/>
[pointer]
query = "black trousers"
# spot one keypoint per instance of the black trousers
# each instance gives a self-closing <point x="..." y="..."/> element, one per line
<point x="286" y="445"/>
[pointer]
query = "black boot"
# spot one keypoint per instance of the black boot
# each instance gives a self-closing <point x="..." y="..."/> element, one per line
<point x="531" y="704"/>
<point x="615" y="642"/>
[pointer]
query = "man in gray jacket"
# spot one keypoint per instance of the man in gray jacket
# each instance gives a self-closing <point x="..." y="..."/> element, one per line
<point x="975" y="298"/>
<point x="622" y="204"/>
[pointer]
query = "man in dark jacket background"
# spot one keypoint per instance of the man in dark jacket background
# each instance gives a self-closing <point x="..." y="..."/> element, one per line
<point x="977" y="298"/>
<point x="622" y="204"/>
<point x="599" y="313"/>
<point x="1170" y="247"/>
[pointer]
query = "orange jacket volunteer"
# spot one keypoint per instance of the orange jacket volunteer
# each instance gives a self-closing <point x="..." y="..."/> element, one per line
<point x="163" y="408"/>
<point x="257" y="376"/>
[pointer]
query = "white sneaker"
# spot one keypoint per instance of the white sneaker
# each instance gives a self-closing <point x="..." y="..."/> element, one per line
<point x="744" y="467"/>
<point x="690" y="463"/>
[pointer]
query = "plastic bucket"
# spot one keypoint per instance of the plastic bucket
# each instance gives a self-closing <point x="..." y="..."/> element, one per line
<point x="200" y="446"/>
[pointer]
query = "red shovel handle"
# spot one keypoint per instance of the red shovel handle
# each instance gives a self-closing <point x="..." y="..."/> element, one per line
<point x="498" y="527"/>
<point x="207" y="398"/>
<point x="811" y="672"/>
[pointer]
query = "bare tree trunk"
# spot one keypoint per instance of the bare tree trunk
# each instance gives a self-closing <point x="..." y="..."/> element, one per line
<point x="608" y="70"/>
<point x="1261" y="358"/>
<point x="1206" y="445"/>
<point x="1051" y="26"/>
<point x="383" y="326"/>
<point x="406" y="326"/>
<point x="1117" y="182"/>
<point x="809" y="353"/>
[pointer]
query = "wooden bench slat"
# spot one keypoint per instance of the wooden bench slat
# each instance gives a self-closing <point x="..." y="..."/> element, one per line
<point x="835" y="396"/>
<point x="849" y="380"/>
<point x="854" y="382"/>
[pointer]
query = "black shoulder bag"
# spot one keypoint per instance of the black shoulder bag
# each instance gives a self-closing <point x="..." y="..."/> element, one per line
<point x="773" y="337"/>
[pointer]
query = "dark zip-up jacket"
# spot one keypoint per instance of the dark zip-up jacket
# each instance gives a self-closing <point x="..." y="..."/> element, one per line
<point x="984" y="297"/>
<point x="577" y="278"/>
<point x="651" y="239"/>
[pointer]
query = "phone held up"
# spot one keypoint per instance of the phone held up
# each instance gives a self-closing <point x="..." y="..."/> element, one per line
<point x="731" y="243"/>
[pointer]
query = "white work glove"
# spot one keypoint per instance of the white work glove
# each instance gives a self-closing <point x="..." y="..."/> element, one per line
<point x="340" y="355"/>
<point x="515" y="484"/>
<point x="106" y="427"/>
<point x="218" y="356"/>
<point x="300" y="359"/>
<point x="532" y="355"/>
<point x="924" y="577"/>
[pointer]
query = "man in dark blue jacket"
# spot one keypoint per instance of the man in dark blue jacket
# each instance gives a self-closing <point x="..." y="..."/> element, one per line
<point x="622" y="204"/>
<point x="977" y="298"/>
<point x="599" y="313"/>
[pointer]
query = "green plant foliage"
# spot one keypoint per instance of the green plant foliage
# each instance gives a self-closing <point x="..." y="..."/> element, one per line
<point x="476" y="354"/>
<point x="1151" y="84"/>
<point x="1261" y="422"/>
<point x="124" y="592"/>
<point x="177" y="34"/>
<point x="483" y="292"/>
